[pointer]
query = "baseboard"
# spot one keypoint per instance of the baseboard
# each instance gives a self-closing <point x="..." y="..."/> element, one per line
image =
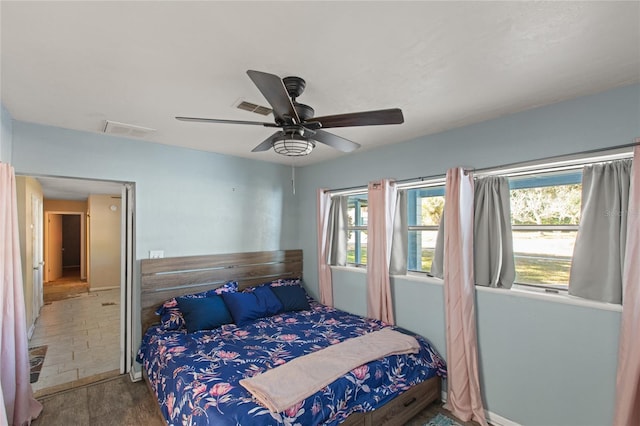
<point x="135" y="376"/>
<point x="104" y="288"/>
<point x="497" y="420"/>
<point x="493" y="418"/>
<point x="31" y="330"/>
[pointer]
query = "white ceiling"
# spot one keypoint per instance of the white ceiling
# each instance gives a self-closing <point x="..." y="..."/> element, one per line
<point x="446" y="64"/>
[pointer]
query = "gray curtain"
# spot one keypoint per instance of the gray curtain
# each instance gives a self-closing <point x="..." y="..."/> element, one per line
<point x="400" y="242"/>
<point x="598" y="255"/>
<point x="338" y="231"/>
<point x="494" y="265"/>
<point x="437" y="264"/>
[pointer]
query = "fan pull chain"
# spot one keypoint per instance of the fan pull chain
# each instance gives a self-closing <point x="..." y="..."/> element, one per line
<point x="293" y="178"/>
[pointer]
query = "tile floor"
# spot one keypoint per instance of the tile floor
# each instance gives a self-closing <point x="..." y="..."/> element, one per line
<point x="83" y="338"/>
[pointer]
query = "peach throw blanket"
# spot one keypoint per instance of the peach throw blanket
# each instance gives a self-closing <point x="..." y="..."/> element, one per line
<point x="281" y="387"/>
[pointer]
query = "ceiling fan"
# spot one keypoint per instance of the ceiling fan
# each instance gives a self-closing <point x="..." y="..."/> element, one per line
<point x="299" y="129"/>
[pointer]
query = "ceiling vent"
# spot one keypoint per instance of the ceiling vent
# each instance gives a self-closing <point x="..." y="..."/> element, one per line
<point x="248" y="106"/>
<point x="127" y="130"/>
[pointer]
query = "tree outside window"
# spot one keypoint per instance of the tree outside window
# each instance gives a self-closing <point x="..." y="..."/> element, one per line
<point x="545" y="215"/>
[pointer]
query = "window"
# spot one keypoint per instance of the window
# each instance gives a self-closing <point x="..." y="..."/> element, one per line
<point x="424" y="211"/>
<point x="357" y="229"/>
<point x="545" y="214"/>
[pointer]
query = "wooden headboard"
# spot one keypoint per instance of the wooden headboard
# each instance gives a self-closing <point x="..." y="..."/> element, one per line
<point x="170" y="277"/>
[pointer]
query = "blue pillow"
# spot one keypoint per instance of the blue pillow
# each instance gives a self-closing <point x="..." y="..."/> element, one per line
<point x="204" y="313"/>
<point x="246" y="307"/>
<point x="292" y="297"/>
<point x="170" y="316"/>
<point x="268" y="299"/>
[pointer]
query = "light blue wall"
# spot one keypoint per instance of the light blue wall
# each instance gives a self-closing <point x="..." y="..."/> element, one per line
<point x="187" y="202"/>
<point x="533" y="353"/>
<point x="6" y="135"/>
<point x="547" y="363"/>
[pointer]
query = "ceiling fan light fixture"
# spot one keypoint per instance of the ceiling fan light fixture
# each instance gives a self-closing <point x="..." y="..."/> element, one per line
<point x="293" y="145"/>
<point x="301" y="130"/>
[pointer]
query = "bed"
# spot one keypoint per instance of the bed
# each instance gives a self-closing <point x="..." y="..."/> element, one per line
<point x="195" y="376"/>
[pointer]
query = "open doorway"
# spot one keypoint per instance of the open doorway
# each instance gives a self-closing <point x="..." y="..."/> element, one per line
<point x="82" y="331"/>
<point x="65" y="254"/>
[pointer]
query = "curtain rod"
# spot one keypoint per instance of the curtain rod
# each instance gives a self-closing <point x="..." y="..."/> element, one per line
<point x="503" y="166"/>
<point x="361" y="187"/>
<point x="555" y="157"/>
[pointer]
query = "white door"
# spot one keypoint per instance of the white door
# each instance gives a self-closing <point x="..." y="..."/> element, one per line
<point x="38" y="263"/>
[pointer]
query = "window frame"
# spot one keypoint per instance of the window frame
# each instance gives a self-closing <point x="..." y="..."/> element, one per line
<point x="357" y="229"/>
<point x="541" y="179"/>
<point x="434" y="189"/>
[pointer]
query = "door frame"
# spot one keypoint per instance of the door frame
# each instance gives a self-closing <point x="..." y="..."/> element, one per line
<point x="83" y="242"/>
<point x="128" y="263"/>
<point x="37" y="266"/>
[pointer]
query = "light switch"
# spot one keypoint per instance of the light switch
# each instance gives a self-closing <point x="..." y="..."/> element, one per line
<point x="156" y="254"/>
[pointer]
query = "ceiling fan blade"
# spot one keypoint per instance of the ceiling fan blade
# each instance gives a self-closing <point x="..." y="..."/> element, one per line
<point x="218" y="120"/>
<point x="275" y="93"/>
<point x="267" y="143"/>
<point x="335" y="141"/>
<point x="364" y="118"/>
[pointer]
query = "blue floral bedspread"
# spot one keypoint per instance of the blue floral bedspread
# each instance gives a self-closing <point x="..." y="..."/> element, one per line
<point x="196" y="376"/>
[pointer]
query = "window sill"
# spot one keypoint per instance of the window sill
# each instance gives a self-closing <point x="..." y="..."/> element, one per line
<point x="516" y="290"/>
<point x="523" y="291"/>
<point x="420" y="277"/>
<point x="561" y="297"/>
<point x="360" y="269"/>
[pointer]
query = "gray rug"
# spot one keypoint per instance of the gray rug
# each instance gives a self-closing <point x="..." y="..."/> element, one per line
<point x="36" y="359"/>
<point x="442" y="420"/>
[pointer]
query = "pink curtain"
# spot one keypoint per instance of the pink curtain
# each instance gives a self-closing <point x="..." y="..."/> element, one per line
<point x="382" y="207"/>
<point x="324" y="271"/>
<point x="19" y="405"/>
<point x="627" y="410"/>
<point x="463" y="398"/>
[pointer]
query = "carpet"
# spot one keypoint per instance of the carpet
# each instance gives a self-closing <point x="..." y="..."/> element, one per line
<point x="442" y="420"/>
<point x="36" y="359"/>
